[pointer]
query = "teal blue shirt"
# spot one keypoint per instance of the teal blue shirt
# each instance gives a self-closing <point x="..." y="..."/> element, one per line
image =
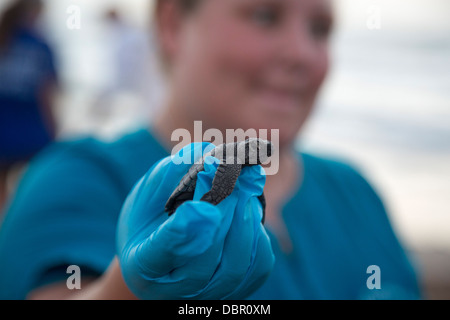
<point x="67" y="205"/>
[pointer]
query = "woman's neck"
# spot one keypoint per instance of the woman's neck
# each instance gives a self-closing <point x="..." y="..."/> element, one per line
<point x="165" y="123"/>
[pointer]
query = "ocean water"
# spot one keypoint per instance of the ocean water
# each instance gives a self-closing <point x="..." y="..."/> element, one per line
<point x="385" y="106"/>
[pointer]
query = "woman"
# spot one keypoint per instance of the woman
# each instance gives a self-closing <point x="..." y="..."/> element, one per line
<point x="231" y="64"/>
<point x="27" y="81"/>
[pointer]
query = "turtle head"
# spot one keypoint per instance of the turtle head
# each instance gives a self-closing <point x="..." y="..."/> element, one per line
<point x="257" y="151"/>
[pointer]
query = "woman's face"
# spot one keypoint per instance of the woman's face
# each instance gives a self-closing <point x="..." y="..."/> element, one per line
<point x="252" y="63"/>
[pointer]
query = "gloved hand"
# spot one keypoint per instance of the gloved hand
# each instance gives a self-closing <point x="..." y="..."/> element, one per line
<point x="202" y="251"/>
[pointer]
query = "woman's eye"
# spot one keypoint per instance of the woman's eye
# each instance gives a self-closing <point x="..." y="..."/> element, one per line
<point x="320" y="29"/>
<point x="265" y="16"/>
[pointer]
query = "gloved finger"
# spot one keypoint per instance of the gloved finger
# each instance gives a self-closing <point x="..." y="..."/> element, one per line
<point x="239" y="247"/>
<point x="167" y="175"/>
<point x="190" y="232"/>
<point x="262" y="257"/>
<point x="253" y="180"/>
<point x="207" y="262"/>
<point x="190" y="273"/>
<point x="143" y="210"/>
<point x="261" y="266"/>
<point x="193" y="276"/>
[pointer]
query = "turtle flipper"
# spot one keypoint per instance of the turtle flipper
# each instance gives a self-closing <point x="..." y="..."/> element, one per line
<point x="178" y="201"/>
<point x="184" y="191"/>
<point x="223" y="183"/>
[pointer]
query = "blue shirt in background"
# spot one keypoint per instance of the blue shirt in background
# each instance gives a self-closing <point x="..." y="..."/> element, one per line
<point x="66" y="210"/>
<point x="26" y="67"/>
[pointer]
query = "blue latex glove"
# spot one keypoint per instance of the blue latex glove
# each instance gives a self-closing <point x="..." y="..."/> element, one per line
<point x="202" y="251"/>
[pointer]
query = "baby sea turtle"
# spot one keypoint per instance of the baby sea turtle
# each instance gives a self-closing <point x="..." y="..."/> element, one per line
<point x="233" y="157"/>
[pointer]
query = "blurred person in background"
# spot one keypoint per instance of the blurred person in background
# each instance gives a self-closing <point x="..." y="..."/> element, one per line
<point x="134" y="70"/>
<point x="248" y="64"/>
<point x="28" y="79"/>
